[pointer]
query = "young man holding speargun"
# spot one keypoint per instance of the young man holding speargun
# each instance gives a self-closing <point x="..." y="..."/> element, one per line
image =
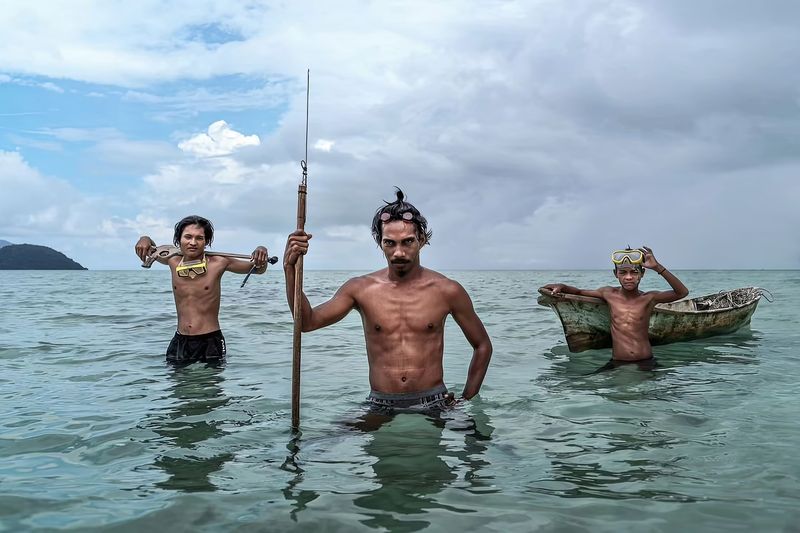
<point x="196" y="287"/>
<point x="630" y="308"/>
<point x="403" y="310"/>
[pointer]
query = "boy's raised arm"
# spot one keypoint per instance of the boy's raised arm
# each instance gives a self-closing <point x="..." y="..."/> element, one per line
<point x="679" y="290"/>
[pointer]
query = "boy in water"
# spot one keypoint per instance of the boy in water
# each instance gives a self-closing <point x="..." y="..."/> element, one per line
<point x="196" y="287"/>
<point x="630" y="308"/>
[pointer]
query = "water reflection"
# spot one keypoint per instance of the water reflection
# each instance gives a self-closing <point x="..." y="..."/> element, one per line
<point x="190" y="426"/>
<point x="610" y="435"/>
<point x="414" y="458"/>
<point x="740" y="348"/>
<point x="582" y="480"/>
<point x="299" y="497"/>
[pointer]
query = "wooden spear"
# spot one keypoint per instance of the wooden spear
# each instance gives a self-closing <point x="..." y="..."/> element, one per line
<point x="298" y="280"/>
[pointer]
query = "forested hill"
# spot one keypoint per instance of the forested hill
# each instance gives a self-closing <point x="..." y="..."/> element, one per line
<point x="34" y="257"/>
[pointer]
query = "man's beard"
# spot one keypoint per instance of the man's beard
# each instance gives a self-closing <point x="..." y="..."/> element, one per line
<point x="401" y="272"/>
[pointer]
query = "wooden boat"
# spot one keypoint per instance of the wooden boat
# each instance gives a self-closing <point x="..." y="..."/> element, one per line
<point x="586" y="320"/>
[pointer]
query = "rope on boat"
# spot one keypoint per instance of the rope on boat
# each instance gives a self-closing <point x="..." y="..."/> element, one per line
<point x="735" y="298"/>
<point x="764" y="292"/>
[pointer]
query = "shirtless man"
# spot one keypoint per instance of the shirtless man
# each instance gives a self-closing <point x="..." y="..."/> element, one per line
<point x="196" y="287"/>
<point x="629" y="307"/>
<point x="403" y="310"/>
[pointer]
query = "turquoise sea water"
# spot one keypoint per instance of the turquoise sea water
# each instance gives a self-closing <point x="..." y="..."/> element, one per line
<point x="97" y="433"/>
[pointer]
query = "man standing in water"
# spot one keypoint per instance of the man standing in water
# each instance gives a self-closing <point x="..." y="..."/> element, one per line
<point x="403" y="310"/>
<point x="630" y="308"/>
<point x="196" y="287"/>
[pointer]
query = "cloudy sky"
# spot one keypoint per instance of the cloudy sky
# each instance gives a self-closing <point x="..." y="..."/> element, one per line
<point x="532" y="134"/>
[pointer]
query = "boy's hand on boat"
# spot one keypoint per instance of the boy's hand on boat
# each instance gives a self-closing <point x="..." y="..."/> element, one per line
<point x="555" y="288"/>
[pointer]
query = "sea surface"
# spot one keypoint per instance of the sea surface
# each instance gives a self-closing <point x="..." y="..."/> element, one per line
<point x="97" y="433"/>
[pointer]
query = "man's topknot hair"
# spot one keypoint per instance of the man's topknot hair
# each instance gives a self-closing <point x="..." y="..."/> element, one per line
<point x="396" y="210"/>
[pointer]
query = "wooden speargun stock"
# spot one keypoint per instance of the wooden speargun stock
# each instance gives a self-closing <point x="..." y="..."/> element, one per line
<point x="166" y="251"/>
<point x="297" y="309"/>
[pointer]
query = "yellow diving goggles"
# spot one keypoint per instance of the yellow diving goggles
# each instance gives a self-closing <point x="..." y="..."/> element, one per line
<point x="191" y="270"/>
<point x="634" y="257"/>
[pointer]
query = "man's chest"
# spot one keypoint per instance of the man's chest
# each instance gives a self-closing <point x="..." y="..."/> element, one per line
<point x="204" y="286"/>
<point x="422" y="311"/>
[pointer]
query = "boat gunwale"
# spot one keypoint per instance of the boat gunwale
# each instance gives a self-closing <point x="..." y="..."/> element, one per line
<point x="665" y="310"/>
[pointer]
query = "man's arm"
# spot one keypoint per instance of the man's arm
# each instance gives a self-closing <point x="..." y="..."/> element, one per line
<point x="257" y="259"/>
<point x="144" y="246"/>
<point x="325" y="314"/>
<point x="558" y="288"/>
<point x="678" y="291"/>
<point x="464" y="314"/>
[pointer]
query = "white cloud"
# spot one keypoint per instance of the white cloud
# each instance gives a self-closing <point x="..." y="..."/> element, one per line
<point x="50" y="86"/>
<point x="323" y="145"/>
<point x="34" y="204"/>
<point x="82" y="134"/>
<point x="44" y="210"/>
<point x="219" y="140"/>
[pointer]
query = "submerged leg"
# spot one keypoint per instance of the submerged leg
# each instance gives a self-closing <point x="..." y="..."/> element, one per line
<point x="610" y="365"/>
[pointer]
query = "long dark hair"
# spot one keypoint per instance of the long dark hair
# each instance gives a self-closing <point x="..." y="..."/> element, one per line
<point x="204" y="223"/>
<point x="396" y="210"/>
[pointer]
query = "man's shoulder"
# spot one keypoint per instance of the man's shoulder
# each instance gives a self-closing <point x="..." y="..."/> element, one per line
<point x="436" y="275"/>
<point x="363" y="281"/>
<point x="444" y="283"/>
<point x="218" y="262"/>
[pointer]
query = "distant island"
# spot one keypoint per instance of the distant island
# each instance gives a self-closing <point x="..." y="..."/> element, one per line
<point x="34" y="257"/>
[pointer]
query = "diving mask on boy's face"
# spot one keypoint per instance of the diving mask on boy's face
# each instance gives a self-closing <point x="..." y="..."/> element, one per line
<point x="632" y="257"/>
<point x="191" y="270"/>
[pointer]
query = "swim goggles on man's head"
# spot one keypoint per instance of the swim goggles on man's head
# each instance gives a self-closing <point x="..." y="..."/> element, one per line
<point x="191" y="270"/>
<point x="634" y="257"/>
<point x="408" y="216"/>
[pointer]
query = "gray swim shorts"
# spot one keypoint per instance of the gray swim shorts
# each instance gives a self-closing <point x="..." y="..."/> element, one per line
<point x="434" y="398"/>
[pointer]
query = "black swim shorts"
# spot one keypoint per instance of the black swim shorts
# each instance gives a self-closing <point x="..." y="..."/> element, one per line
<point x="649" y="363"/>
<point x="206" y="348"/>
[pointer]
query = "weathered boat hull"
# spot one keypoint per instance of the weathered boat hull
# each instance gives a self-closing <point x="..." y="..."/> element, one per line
<point x="586" y="320"/>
